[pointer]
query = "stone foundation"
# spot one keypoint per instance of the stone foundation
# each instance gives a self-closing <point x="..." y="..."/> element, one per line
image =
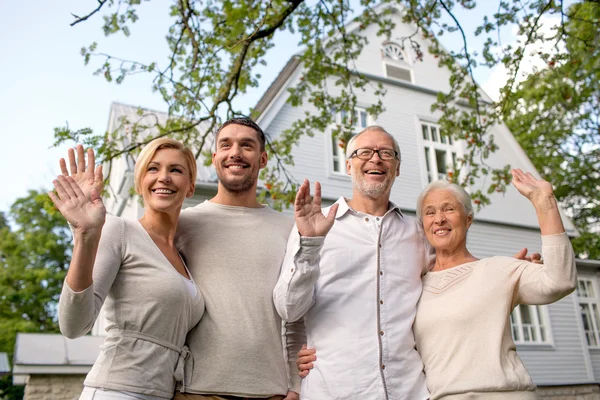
<point x="576" y="392"/>
<point x="54" y="387"/>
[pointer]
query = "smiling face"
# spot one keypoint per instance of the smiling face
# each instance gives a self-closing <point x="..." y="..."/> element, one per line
<point x="373" y="178"/>
<point x="445" y="221"/>
<point x="238" y="158"/>
<point x="166" y="181"/>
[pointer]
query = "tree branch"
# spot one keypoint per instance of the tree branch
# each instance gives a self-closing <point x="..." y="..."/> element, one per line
<point x="81" y="19"/>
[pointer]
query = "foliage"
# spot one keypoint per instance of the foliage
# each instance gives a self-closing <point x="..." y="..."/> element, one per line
<point x="555" y="116"/>
<point x="217" y="45"/>
<point x="35" y="243"/>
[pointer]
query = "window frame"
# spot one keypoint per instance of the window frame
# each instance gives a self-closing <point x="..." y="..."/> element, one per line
<point x="335" y="152"/>
<point x="540" y="323"/>
<point x="432" y="148"/>
<point x="592" y="302"/>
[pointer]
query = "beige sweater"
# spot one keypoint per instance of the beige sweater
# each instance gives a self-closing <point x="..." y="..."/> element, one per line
<point x="149" y="310"/>
<point x="235" y="254"/>
<point x="463" y="330"/>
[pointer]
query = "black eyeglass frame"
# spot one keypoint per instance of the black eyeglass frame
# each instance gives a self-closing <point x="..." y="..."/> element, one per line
<point x="373" y="151"/>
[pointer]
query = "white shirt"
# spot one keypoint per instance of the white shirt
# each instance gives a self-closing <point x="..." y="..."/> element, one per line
<point x="357" y="289"/>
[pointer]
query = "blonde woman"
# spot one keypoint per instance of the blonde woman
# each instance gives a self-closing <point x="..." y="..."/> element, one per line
<point x="134" y="269"/>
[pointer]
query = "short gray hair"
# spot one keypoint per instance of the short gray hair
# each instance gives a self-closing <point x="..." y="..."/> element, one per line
<point x="459" y="192"/>
<point x="350" y="147"/>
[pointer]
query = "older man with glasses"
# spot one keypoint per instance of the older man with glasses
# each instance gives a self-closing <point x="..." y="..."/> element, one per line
<point x="357" y="281"/>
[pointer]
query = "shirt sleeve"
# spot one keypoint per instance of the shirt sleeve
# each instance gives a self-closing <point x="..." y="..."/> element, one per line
<point x="294" y="292"/>
<point x="295" y="337"/>
<point x="548" y="282"/>
<point x="77" y="311"/>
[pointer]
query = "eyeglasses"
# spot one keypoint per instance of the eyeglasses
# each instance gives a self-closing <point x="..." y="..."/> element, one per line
<point x="366" y="154"/>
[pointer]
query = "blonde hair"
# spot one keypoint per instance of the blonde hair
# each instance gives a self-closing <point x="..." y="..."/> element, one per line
<point x="151" y="148"/>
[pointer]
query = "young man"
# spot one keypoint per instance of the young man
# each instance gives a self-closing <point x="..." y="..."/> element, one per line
<point x="234" y="247"/>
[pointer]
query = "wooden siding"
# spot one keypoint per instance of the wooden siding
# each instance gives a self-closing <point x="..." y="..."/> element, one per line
<point x="405" y="110"/>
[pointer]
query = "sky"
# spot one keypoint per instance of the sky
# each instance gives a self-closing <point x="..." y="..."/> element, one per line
<point x="44" y="83"/>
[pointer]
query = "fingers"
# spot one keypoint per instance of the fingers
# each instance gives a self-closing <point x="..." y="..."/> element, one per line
<point x="306" y="367"/>
<point x="536" y="258"/>
<point x="94" y="194"/>
<point x="304" y="352"/>
<point x="317" y="196"/>
<point x="59" y="185"/>
<point x="80" y="159"/>
<point x="63" y="166"/>
<point x="91" y="161"/>
<point x="520" y="176"/>
<point x="332" y="212"/>
<point x="72" y="163"/>
<point x="68" y="187"/>
<point x="521" y="254"/>
<point x="299" y="202"/>
<point x="306" y="191"/>
<point x="55" y="200"/>
<point x="98" y="177"/>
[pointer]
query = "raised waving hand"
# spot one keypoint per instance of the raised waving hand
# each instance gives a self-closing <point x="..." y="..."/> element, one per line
<point x="310" y="221"/>
<point x="86" y="214"/>
<point x="86" y="177"/>
<point x="541" y="195"/>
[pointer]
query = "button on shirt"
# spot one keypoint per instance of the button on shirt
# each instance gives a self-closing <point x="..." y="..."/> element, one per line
<point x="357" y="289"/>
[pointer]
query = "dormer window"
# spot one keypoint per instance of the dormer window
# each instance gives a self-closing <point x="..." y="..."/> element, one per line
<point x="395" y="62"/>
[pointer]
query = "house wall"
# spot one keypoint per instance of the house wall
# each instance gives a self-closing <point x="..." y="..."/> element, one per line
<point x="425" y="73"/>
<point x="54" y="387"/>
<point x="577" y="392"/>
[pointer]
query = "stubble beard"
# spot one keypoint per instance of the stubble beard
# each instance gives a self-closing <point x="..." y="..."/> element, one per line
<point x="370" y="190"/>
<point x="235" y="185"/>
<point x="245" y="185"/>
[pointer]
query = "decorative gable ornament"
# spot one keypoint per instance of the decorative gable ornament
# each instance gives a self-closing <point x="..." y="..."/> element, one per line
<point x="395" y="62"/>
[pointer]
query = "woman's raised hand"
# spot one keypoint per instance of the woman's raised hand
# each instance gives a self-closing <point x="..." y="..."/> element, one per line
<point x="86" y="214"/>
<point x="541" y="195"/>
<point x="86" y="178"/>
<point x="531" y="187"/>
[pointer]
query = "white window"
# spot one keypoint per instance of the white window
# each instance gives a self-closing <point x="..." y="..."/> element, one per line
<point x="395" y="62"/>
<point x="588" y="307"/>
<point x="440" y="152"/>
<point x="359" y="121"/>
<point x="530" y="325"/>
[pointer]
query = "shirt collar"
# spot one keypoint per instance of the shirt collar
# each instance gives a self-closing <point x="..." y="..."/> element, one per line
<point x="345" y="208"/>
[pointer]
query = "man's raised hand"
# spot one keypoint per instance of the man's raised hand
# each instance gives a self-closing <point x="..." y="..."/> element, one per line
<point x="310" y="221"/>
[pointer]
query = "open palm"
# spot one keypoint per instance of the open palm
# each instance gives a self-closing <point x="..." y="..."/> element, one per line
<point x="87" y="178"/>
<point x="529" y="186"/>
<point x="84" y="213"/>
<point x="310" y="220"/>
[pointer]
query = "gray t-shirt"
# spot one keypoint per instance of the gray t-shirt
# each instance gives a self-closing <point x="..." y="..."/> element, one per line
<point x="235" y="254"/>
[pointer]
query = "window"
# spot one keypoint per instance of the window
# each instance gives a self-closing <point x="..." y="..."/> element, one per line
<point x="588" y="307"/>
<point x="395" y="62"/>
<point x="440" y="152"/>
<point x="360" y="120"/>
<point x="529" y="325"/>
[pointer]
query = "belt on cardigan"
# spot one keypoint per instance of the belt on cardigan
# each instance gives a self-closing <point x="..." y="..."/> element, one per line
<point x="185" y="362"/>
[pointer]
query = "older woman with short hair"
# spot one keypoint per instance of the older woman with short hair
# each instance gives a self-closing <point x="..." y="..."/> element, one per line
<point x="462" y="327"/>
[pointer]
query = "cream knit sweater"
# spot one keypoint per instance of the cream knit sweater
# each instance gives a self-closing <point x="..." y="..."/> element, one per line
<point x="462" y="328"/>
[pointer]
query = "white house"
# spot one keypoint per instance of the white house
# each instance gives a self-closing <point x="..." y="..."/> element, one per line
<point x="559" y="343"/>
